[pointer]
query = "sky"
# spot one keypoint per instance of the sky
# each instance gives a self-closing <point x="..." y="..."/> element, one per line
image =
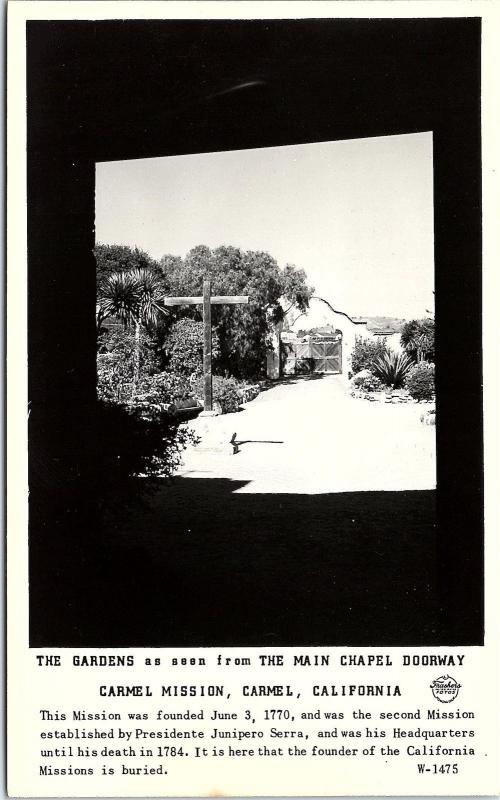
<point x="357" y="215"/>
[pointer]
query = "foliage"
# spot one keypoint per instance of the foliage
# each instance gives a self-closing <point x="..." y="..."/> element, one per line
<point x="131" y="445"/>
<point x="119" y="354"/>
<point x="367" y="381"/>
<point x="135" y="430"/>
<point x="244" y="330"/>
<point x="118" y="296"/>
<point x="420" y="381"/>
<point x="134" y="425"/>
<point x="226" y="393"/>
<point x="248" y="392"/>
<point x="115" y="370"/>
<point x="366" y="353"/>
<point x="111" y="258"/>
<point x="229" y="393"/>
<point x="417" y="338"/>
<point x="161" y="392"/>
<point x="392" y="369"/>
<point x="184" y="347"/>
<point x="134" y="297"/>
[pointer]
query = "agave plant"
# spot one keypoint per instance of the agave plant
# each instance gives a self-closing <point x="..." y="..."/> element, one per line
<point x="392" y="368"/>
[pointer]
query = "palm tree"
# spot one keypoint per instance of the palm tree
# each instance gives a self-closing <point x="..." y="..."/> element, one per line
<point x="417" y="338"/>
<point x="151" y="292"/>
<point x="118" y="296"/>
<point x="134" y="297"/>
<point x="421" y="343"/>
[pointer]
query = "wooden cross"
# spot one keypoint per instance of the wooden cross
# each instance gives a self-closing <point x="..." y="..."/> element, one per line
<point x="206" y="301"/>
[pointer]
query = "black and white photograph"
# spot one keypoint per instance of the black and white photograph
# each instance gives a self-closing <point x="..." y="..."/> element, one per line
<point x="251" y="433"/>
<point x="254" y="259"/>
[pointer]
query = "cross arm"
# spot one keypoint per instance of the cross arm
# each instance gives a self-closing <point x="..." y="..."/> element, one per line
<point x="215" y="299"/>
<point x="220" y="300"/>
<point x="182" y="301"/>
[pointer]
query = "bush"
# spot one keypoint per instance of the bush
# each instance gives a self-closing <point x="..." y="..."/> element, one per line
<point x="131" y="445"/>
<point x="392" y="369"/>
<point x="227" y="392"/>
<point x="162" y="389"/>
<point x="184" y="347"/>
<point x="248" y="392"/>
<point x="367" y="381"/>
<point x="366" y="353"/>
<point x="420" y="381"/>
<point x="118" y="355"/>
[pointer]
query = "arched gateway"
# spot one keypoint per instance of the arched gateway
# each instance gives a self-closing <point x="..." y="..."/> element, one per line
<point x="321" y="340"/>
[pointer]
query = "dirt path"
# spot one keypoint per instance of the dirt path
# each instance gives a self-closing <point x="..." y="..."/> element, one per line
<point x="310" y="437"/>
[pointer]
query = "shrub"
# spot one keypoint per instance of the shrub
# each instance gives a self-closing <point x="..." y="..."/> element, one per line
<point x="248" y="392"/>
<point x="163" y="388"/>
<point x="393" y="368"/>
<point x="115" y="373"/>
<point x="420" y="381"/>
<point x="119" y="354"/>
<point x="184" y="347"/>
<point x="131" y="445"/>
<point x="367" y="381"/>
<point x="227" y="392"/>
<point x="366" y="353"/>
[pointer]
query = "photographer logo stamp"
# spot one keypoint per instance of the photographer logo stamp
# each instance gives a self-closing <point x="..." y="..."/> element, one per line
<point x="445" y="689"/>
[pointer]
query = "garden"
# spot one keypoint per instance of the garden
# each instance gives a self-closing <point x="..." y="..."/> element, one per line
<point x="379" y="373"/>
<point x="150" y="357"/>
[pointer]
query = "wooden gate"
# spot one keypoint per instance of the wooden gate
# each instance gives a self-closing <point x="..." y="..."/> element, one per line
<point x="315" y="354"/>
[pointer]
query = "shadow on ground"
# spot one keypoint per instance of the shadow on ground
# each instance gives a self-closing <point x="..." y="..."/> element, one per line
<point x="290" y="380"/>
<point x="202" y="565"/>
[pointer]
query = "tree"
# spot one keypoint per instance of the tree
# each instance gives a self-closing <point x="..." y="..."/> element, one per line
<point x="134" y="297"/>
<point x="417" y="338"/>
<point x="111" y="258"/>
<point x="244" y="332"/>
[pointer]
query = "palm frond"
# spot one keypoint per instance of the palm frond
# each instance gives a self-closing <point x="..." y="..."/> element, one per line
<point x="119" y="297"/>
<point x="151" y="292"/>
<point x="134" y="295"/>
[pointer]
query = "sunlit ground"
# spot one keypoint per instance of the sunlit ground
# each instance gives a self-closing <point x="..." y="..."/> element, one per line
<point x="312" y="437"/>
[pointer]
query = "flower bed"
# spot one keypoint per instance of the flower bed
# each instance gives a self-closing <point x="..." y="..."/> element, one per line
<point x="395" y="380"/>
